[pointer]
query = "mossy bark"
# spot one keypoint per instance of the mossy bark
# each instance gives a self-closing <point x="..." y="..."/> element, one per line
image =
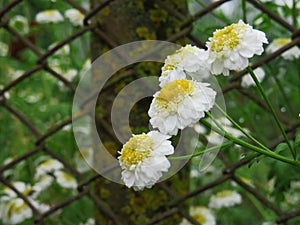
<point x="124" y="21"/>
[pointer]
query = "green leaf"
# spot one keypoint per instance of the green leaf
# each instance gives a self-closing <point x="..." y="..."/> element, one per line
<point x="281" y="147"/>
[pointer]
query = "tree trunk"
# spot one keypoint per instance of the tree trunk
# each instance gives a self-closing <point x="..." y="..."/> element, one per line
<point x="124" y="21"/>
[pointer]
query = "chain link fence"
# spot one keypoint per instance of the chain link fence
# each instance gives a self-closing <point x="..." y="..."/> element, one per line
<point x="37" y="142"/>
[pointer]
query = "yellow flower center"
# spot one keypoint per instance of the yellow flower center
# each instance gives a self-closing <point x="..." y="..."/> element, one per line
<point x="281" y="41"/>
<point x="14" y="209"/>
<point x="68" y="177"/>
<point x="50" y="12"/>
<point x="224" y="194"/>
<point x="136" y="150"/>
<point x="225" y="38"/>
<point x="174" y="92"/>
<point x="200" y="218"/>
<point x="48" y="163"/>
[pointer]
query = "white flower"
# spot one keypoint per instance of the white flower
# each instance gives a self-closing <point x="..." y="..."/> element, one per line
<point x="75" y="17"/>
<point x="200" y="129"/>
<point x="14" y="211"/>
<point x="143" y="159"/>
<point x="23" y="188"/>
<point x="3" y="49"/>
<point x="83" y="159"/>
<point x="20" y="23"/>
<point x="225" y="198"/>
<point x="188" y="60"/>
<point x="202" y="215"/>
<point x="288" y="3"/>
<point x="90" y="221"/>
<point x="247" y="80"/>
<point x="290" y="54"/>
<point x="86" y="67"/>
<point x="179" y="104"/>
<point x="214" y="138"/>
<point x="64" y="50"/>
<point x="43" y="182"/>
<point x="231" y="47"/>
<point x="269" y="223"/>
<point x="49" y="16"/>
<point x="65" y="180"/>
<point x="48" y="166"/>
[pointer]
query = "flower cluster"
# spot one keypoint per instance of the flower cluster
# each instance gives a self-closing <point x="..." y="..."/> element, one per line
<point x="49" y="169"/>
<point x="14" y="209"/>
<point x="184" y="98"/>
<point x="225" y="198"/>
<point x="54" y="16"/>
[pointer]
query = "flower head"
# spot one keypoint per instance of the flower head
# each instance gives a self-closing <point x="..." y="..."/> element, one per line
<point x="83" y="159"/>
<point x="179" y="104"/>
<point x="187" y="60"/>
<point x="49" y="16"/>
<point x="143" y="159"/>
<point x="14" y="211"/>
<point x="65" y="180"/>
<point x="231" y="47"/>
<point x="3" y="49"/>
<point x="75" y="17"/>
<point x="225" y="198"/>
<point x="64" y="50"/>
<point x="290" y="54"/>
<point x="48" y="166"/>
<point x="20" y="23"/>
<point x="202" y="215"/>
<point x="247" y="80"/>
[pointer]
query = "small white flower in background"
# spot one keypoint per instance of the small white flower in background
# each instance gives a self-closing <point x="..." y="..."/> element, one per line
<point x="288" y="3"/>
<point x="295" y="185"/>
<point x="202" y="215"/>
<point x="65" y="180"/>
<point x="20" y="23"/>
<point x="16" y="73"/>
<point x="23" y="188"/>
<point x="70" y="74"/>
<point x="48" y="166"/>
<point x="64" y="50"/>
<point x="269" y="223"/>
<point x="247" y="80"/>
<point x="226" y="198"/>
<point x="143" y="159"/>
<point x="14" y="211"/>
<point x="290" y="54"/>
<point x="231" y="47"/>
<point x="83" y="159"/>
<point x="85" y="67"/>
<point x="75" y="17"/>
<point x="179" y="104"/>
<point x="3" y="49"/>
<point x="49" y="16"/>
<point x="215" y="138"/>
<point x="199" y="128"/>
<point x="188" y="60"/>
<point x="90" y="221"/>
<point x="43" y="182"/>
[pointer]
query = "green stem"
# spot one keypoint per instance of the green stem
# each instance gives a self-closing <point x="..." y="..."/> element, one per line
<point x="214" y="148"/>
<point x="263" y="93"/>
<point x="253" y="147"/>
<point x="241" y="129"/>
<point x="244" y="11"/>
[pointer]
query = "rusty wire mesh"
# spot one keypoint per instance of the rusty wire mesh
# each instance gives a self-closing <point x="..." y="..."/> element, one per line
<point x="84" y="188"/>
